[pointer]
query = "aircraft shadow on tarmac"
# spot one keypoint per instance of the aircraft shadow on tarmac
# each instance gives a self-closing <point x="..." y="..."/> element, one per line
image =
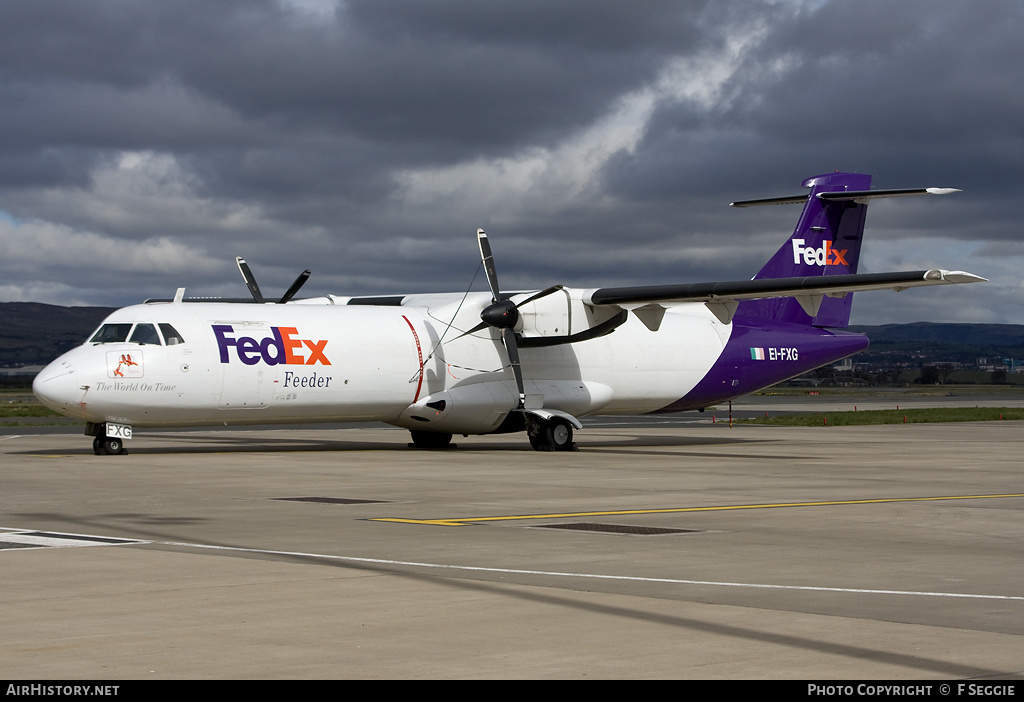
<point x="207" y="443"/>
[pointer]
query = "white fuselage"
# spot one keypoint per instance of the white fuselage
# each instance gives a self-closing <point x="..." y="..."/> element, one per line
<point x="318" y="361"/>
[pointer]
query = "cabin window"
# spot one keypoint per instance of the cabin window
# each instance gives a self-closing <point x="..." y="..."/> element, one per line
<point x="110" y="333"/>
<point x="145" y="334"/>
<point x="171" y="335"/>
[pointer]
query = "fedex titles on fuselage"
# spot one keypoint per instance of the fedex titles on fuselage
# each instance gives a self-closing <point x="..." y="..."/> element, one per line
<point x="281" y="347"/>
<point x="825" y="256"/>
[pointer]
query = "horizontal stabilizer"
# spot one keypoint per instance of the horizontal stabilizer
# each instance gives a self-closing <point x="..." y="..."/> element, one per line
<point x="864" y="195"/>
<point x="794" y="200"/>
<point x="860" y="196"/>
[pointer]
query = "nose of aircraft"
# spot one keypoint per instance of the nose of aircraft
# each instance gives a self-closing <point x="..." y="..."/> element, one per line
<point x="57" y="386"/>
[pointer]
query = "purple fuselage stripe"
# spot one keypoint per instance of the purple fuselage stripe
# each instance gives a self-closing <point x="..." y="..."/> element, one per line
<point x="760" y="354"/>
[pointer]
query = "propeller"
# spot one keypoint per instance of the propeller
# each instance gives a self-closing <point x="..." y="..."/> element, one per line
<point x="503" y="314"/>
<point x="294" y="287"/>
<point x="254" y="289"/>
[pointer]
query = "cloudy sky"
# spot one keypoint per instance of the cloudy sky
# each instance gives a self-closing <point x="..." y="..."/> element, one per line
<point x="144" y="144"/>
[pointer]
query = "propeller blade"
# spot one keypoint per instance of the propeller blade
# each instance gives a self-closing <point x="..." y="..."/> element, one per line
<point x="299" y="282"/>
<point x="250" y="280"/>
<point x="542" y="293"/>
<point x="474" y="330"/>
<point x="488" y="259"/>
<point x="508" y="337"/>
<point x="503" y="315"/>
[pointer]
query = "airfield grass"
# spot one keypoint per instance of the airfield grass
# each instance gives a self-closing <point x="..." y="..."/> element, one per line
<point x="27" y="407"/>
<point x="909" y="416"/>
<point x="17" y="405"/>
<point x="948" y="390"/>
<point x="26" y="411"/>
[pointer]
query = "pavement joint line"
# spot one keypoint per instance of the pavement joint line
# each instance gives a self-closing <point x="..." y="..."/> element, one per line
<point x="590" y="576"/>
<point x="467" y="521"/>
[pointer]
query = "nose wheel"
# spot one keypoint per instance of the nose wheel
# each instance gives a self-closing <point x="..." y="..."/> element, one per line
<point x="106" y="446"/>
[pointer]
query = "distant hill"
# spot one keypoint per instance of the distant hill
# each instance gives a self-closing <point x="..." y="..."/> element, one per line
<point x="959" y="339"/>
<point x="32" y="333"/>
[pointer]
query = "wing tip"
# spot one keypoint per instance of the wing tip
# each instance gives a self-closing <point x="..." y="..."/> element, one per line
<point x="945" y="276"/>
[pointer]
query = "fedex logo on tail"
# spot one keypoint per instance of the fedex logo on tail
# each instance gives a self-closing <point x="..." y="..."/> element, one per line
<point x="282" y="346"/>
<point x="825" y="256"/>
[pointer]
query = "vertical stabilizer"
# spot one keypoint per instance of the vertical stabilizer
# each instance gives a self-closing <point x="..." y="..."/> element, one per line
<point x="826" y="241"/>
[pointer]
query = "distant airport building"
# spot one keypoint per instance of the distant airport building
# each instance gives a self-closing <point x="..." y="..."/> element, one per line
<point x="20" y="377"/>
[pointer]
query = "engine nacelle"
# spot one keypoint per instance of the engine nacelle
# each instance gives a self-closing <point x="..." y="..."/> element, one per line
<point x="479" y="408"/>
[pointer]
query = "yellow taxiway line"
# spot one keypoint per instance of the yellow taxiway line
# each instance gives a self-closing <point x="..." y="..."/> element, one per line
<point x="466" y="521"/>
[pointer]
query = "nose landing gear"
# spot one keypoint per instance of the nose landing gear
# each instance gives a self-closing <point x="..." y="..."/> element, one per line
<point x="105" y="446"/>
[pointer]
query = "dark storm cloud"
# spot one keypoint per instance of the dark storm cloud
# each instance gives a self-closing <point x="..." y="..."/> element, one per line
<point x="601" y="141"/>
<point x="472" y="77"/>
<point x="922" y="89"/>
<point x="309" y="115"/>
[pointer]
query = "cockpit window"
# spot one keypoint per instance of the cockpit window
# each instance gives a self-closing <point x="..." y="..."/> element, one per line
<point x="171" y="335"/>
<point x="145" y="334"/>
<point x="109" y="333"/>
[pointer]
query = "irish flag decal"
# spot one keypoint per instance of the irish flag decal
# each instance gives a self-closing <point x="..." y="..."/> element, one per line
<point x="756" y="354"/>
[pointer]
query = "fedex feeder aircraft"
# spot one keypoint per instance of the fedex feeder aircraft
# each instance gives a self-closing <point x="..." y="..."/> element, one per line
<point x="484" y="363"/>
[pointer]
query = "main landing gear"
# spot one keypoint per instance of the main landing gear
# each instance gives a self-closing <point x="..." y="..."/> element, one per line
<point x="554" y="434"/>
<point x="430" y="439"/>
<point x="551" y="434"/>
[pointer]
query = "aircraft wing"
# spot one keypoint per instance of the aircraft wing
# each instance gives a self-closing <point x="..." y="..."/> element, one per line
<point x="722" y="298"/>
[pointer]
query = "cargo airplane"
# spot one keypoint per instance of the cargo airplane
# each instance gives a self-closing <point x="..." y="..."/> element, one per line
<point x="488" y="362"/>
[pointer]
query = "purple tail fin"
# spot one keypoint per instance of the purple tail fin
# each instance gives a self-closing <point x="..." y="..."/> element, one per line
<point x="826" y="241"/>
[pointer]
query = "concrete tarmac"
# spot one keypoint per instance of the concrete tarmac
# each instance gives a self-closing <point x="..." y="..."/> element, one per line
<point x="697" y="551"/>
